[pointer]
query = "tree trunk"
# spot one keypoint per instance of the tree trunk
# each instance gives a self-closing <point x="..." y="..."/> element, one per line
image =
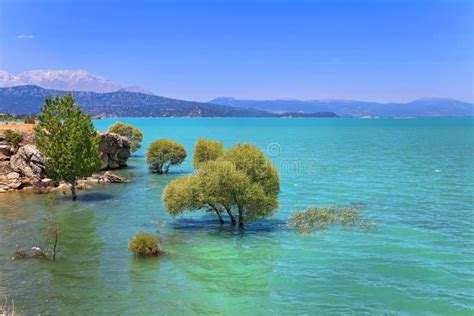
<point x="241" y="217"/>
<point x="55" y="244"/>
<point x="159" y="169"/>
<point x="73" y="191"/>
<point x="221" y="221"/>
<point x="229" y="212"/>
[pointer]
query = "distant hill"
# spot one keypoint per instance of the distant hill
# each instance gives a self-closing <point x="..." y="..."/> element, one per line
<point x="66" y="80"/>
<point x="427" y="107"/>
<point x="27" y="100"/>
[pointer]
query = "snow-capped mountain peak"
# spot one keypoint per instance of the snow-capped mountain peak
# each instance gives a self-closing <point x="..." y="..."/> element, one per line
<point x="67" y="80"/>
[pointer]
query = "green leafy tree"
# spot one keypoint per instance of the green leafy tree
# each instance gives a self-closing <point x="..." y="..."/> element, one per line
<point x="68" y="140"/>
<point x="183" y="194"/>
<point x="164" y="153"/>
<point x="252" y="161"/>
<point x="222" y="187"/>
<point x="206" y="150"/>
<point x="133" y="134"/>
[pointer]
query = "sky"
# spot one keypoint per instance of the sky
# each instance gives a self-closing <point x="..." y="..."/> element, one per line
<point x="385" y="51"/>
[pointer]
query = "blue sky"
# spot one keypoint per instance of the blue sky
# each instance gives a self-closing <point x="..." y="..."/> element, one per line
<point x="198" y="50"/>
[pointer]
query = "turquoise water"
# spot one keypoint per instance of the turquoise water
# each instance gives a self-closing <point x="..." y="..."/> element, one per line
<point x="415" y="176"/>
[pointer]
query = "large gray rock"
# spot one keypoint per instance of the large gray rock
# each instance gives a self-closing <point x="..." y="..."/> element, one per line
<point x="5" y="152"/>
<point x="114" y="151"/>
<point x="26" y="168"/>
<point x="29" y="162"/>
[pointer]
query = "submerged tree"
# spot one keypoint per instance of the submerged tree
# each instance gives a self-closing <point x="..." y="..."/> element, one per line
<point x="68" y="140"/>
<point x="222" y="187"/>
<point x="206" y="150"/>
<point x="319" y="218"/>
<point x="145" y="244"/>
<point x="52" y="233"/>
<point x="133" y="134"/>
<point x="164" y="153"/>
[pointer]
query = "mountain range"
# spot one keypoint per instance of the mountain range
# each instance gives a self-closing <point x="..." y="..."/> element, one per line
<point x="426" y="107"/>
<point x="23" y="93"/>
<point x="22" y="100"/>
<point x="67" y="80"/>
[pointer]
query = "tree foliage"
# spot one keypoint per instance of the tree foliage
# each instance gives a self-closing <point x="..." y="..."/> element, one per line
<point x="206" y="150"/>
<point x="133" y="134"/>
<point x="319" y="218"/>
<point x="225" y="186"/>
<point x="164" y="153"/>
<point x="145" y="244"/>
<point x="68" y="140"/>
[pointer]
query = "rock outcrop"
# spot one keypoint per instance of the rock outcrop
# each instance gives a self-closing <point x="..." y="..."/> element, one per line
<point x="114" y="151"/>
<point x="24" y="167"/>
<point x="29" y="162"/>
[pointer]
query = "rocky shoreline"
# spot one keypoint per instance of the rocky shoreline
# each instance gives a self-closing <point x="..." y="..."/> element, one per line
<point x="22" y="167"/>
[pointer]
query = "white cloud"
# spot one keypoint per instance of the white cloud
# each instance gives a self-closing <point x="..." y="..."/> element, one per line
<point x="25" y="36"/>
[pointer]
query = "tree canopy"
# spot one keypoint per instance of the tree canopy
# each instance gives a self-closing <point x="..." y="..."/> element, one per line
<point x="133" y="134"/>
<point x="68" y="140"/>
<point x="206" y="150"/>
<point x="164" y="153"/>
<point x="225" y="186"/>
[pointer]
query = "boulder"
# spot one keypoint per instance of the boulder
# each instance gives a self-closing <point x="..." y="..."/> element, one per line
<point x="29" y="162"/>
<point x="5" y="152"/>
<point x="13" y="176"/>
<point x="114" y="151"/>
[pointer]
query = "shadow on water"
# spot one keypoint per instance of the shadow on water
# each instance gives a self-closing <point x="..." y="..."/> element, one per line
<point x="95" y="197"/>
<point x="211" y="226"/>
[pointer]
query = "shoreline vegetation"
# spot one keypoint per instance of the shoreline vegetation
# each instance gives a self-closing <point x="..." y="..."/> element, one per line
<point x="53" y="154"/>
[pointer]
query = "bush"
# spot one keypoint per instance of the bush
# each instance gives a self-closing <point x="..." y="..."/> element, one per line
<point x="30" y="120"/>
<point x="133" y="134"/>
<point x="13" y="138"/>
<point x="164" y="153"/>
<point x="145" y="244"/>
<point x="318" y="218"/>
<point x="19" y="254"/>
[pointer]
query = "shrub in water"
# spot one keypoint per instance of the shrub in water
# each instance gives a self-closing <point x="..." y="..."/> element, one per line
<point x="20" y="254"/>
<point x="145" y="244"/>
<point x="318" y="218"/>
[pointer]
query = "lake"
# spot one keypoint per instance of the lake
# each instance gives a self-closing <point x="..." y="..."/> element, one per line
<point x="415" y="178"/>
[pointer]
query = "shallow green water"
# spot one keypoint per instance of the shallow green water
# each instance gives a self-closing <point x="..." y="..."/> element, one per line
<point x="416" y="178"/>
